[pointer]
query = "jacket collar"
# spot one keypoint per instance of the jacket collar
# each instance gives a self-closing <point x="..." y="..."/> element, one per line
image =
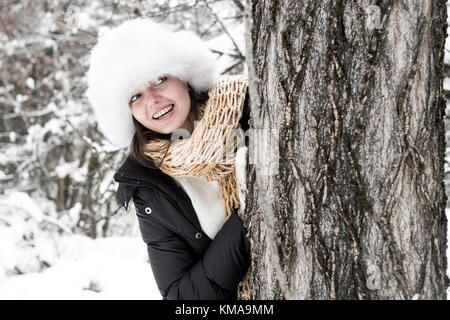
<point x="131" y="172"/>
<point x="132" y="175"/>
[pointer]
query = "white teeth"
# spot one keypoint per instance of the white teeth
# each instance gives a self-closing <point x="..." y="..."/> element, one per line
<point x="163" y="112"/>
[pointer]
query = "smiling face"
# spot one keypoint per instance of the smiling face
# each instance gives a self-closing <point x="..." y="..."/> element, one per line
<point x="163" y="106"/>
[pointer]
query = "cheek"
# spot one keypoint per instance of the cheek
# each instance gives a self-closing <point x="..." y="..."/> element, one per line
<point x="186" y="103"/>
<point x="138" y="114"/>
<point x="135" y="113"/>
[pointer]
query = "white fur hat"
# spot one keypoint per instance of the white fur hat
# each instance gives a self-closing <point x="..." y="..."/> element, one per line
<point x="134" y="53"/>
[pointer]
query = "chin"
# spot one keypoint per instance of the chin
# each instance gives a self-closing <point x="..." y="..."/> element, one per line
<point x="167" y="131"/>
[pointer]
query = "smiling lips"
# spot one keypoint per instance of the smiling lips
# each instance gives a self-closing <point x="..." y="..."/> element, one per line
<point x="163" y="112"/>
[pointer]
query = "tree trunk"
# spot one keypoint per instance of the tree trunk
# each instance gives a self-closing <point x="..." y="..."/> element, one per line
<point x="352" y="93"/>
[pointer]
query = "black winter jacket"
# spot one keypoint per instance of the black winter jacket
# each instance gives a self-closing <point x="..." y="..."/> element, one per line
<point x="186" y="263"/>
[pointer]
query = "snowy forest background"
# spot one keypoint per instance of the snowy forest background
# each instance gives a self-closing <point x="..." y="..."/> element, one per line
<point x="62" y="235"/>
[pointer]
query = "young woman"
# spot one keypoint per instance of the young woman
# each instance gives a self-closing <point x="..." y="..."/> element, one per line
<point x="147" y="83"/>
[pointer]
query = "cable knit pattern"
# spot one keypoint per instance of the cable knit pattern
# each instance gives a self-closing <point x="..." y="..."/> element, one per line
<point x="205" y="198"/>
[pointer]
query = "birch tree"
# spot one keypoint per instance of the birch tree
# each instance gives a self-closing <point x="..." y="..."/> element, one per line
<point x="352" y="91"/>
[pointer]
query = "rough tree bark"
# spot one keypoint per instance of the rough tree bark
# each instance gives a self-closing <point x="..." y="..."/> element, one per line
<point x="354" y="91"/>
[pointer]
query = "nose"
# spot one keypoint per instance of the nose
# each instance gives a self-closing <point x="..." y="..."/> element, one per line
<point x="151" y="98"/>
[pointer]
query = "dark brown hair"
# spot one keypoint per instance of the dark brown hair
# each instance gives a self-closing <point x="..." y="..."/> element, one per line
<point x="143" y="135"/>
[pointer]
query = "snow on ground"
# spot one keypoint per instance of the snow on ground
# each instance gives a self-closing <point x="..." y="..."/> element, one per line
<point x="40" y="257"/>
<point x="105" y="268"/>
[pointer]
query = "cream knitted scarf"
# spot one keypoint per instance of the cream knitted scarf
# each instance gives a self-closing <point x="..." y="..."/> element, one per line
<point x="211" y="149"/>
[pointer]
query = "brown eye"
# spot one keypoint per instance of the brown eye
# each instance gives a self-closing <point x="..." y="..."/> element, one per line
<point x="134" y="98"/>
<point x="160" y="80"/>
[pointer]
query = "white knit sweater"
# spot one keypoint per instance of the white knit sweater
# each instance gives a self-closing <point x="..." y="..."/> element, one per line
<point x="206" y="201"/>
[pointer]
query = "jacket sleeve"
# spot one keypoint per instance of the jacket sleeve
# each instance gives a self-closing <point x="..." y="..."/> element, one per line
<point x="178" y="271"/>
